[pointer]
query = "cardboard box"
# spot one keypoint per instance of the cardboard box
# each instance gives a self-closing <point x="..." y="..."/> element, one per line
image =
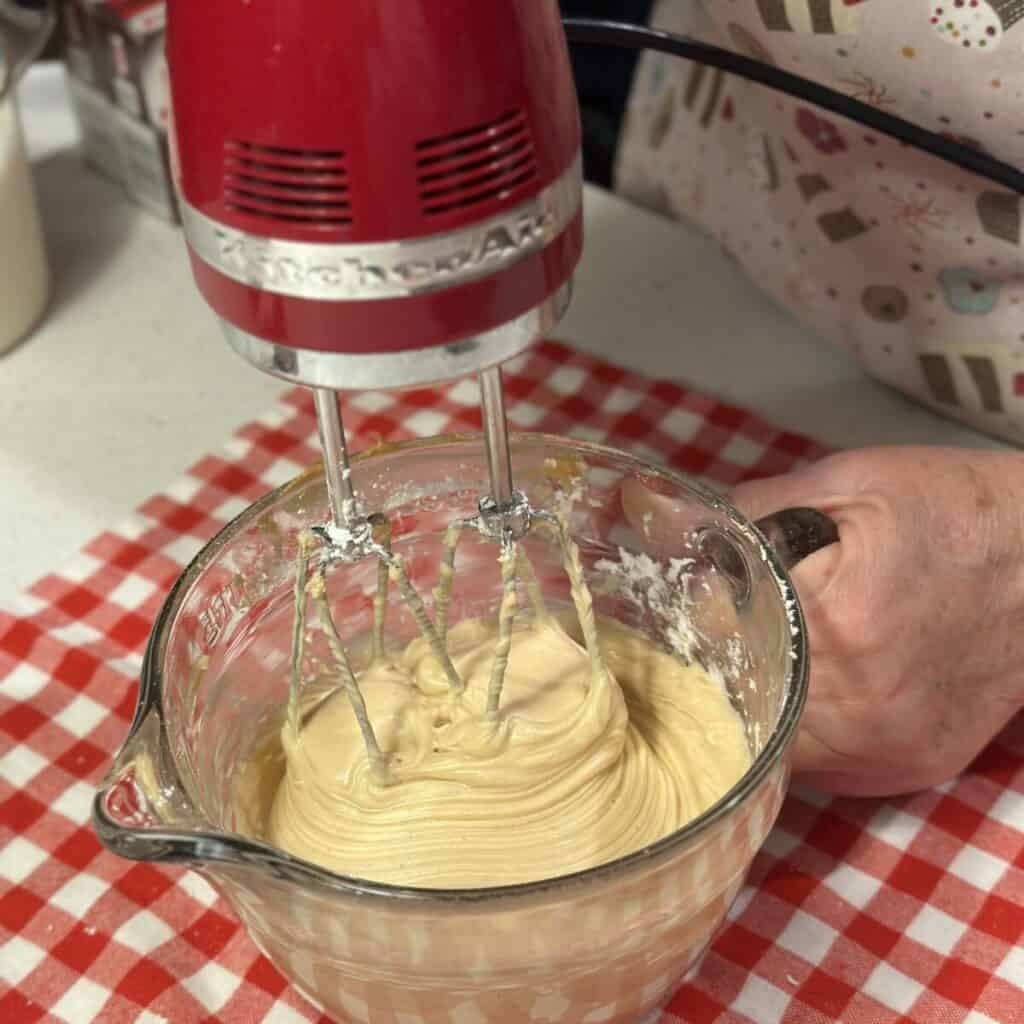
<point x="95" y="114"/>
<point x="121" y="92"/>
<point x="145" y="165"/>
<point x="80" y="42"/>
<point x="131" y="34"/>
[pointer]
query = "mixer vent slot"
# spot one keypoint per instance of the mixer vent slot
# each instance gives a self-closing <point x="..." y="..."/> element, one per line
<point x="299" y="186"/>
<point x="486" y="163"/>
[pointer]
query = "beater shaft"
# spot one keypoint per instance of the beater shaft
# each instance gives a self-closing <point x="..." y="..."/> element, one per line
<point x="340" y="494"/>
<point x="499" y="460"/>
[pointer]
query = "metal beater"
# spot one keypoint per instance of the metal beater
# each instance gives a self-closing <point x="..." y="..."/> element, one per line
<point x="504" y="517"/>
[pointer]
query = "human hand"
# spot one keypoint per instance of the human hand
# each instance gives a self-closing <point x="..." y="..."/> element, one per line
<point x="915" y="618"/>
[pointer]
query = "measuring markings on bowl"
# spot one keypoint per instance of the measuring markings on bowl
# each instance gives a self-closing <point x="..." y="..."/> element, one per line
<point x="218" y="612"/>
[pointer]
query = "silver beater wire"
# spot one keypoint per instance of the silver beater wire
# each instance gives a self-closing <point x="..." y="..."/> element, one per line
<point x="298" y="629"/>
<point x="581" y="596"/>
<point x="506" y="619"/>
<point x="381" y="532"/>
<point x="446" y="573"/>
<point x="400" y="576"/>
<point x="348" y="676"/>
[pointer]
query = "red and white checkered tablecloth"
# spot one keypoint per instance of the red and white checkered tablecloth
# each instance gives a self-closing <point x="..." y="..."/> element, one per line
<point x="857" y="911"/>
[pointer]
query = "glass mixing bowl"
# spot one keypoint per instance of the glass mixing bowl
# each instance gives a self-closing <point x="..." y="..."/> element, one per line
<point x="602" y="946"/>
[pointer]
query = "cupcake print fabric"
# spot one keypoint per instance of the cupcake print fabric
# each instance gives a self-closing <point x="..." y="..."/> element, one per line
<point x="978" y="24"/>
<point x="914" y="266"/>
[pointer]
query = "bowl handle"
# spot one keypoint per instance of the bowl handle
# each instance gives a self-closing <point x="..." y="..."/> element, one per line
<point x="796" y="533"/>
<point x="793" y="534"/>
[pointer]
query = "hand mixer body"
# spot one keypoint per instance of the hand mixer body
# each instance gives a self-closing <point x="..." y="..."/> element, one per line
<point x="377" y="193"/>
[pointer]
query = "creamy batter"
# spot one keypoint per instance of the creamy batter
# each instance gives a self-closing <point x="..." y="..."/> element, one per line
<point x="585" y="762"/>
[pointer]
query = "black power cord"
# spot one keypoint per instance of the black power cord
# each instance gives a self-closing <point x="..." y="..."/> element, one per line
<point x="595" y="31"/>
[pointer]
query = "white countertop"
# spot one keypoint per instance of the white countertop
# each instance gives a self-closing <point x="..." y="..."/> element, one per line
<point x="127" y="381"/>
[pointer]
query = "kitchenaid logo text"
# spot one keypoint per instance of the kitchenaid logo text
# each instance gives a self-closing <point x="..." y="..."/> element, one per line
<point x="424" y="265"/>
<point x="354" y="271"/>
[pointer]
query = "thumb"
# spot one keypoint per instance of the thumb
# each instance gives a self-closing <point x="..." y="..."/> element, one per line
<point x="802" y="489"/>
<point x="809" y="487"/>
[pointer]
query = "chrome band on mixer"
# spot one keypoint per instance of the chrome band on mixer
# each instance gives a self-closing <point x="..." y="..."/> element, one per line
<point x="358" y="271"/>
<point x="407" y="369"/>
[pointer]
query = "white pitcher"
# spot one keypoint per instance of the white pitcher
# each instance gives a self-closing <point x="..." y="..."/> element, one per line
<point x="24" y="270"/>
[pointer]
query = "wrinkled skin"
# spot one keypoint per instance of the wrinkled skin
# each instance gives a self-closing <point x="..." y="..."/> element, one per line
<point x="916" y="617"/>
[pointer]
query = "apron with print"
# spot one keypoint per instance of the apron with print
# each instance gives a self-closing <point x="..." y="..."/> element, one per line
<point x="915" y="267"/>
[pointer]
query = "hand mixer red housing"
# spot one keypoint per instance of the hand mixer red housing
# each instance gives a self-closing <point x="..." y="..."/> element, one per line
<point x="377" y="193"/>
